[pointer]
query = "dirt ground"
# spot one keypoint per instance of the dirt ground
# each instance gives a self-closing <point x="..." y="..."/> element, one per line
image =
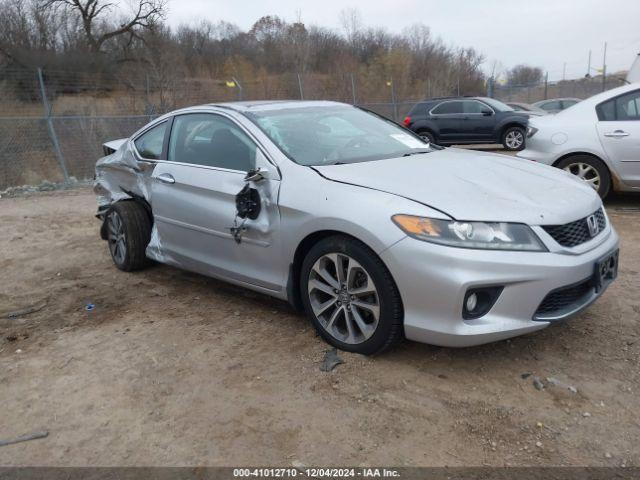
<point x="173" y="368"/>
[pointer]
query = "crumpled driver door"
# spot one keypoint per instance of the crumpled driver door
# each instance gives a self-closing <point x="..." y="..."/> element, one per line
<point x="197" y="226"/>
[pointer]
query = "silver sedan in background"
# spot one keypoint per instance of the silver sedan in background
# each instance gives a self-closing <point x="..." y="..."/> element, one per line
<point x="374" y="233"/>
<point x="555" y="105"/>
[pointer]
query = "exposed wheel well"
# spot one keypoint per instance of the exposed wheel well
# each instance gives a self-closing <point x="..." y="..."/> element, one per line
<point x="103" y="212"/>
<point x="293" y="282"/>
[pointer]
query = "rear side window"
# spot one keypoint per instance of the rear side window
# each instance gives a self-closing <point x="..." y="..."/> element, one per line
<point x="607" y="111"/>
<point x="472" y="106"/>
<point x="447" y="108"/>
<point x="623" y="108"/>
<point x="149" y="144"/>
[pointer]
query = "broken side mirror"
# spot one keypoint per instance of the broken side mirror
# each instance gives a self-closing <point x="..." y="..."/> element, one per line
<point x="255" y="175"/>
<point x="248" y="203"/>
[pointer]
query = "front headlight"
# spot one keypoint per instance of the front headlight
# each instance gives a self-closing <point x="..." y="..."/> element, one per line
<point x="531" y="131"/>
<point x="481" y="235"/>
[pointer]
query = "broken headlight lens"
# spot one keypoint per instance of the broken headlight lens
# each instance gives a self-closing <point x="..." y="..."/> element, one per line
<point x="481" y="235"/>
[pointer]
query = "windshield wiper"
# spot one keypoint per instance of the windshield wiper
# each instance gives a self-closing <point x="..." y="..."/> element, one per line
<point x="408" y="154"/>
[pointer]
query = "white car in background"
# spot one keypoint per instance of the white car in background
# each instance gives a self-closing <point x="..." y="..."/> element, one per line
<point x="598" y="140"/>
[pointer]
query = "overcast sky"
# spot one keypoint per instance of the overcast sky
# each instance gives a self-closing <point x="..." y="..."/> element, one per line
<point x="545" y="33"/>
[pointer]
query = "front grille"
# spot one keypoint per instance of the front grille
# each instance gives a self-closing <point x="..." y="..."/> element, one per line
<point x="575" y="233"/>
<point x="562" y="298"/>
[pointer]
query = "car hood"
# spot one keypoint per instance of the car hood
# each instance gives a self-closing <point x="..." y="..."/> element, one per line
<point x="476" y="186"/>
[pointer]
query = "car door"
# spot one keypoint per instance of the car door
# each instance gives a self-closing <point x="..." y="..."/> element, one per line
<point x="480" y="120"/>
<point x="619" y="131"/>
<point x="450" y="119"/>
<point x="193" y="199"/>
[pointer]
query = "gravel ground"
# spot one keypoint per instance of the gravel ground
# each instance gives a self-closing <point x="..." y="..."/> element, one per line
<point x="172" y="368"/>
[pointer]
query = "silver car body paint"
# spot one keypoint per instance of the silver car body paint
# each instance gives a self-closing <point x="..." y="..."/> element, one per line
<point x="577" y="130"/>
<point x="192" y="223"/>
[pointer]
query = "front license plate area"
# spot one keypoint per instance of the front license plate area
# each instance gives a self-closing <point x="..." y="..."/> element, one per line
<point x="606" y="270"/>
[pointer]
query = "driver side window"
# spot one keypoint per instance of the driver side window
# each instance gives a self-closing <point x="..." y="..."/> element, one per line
<point x="211" y="140"/>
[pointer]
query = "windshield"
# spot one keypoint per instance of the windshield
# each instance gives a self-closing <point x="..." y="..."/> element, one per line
<point x="324" y="135"/>
<point x="497" y="105"/>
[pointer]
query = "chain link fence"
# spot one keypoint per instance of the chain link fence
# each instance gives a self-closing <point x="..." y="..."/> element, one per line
<point x="53" y="123"/>
<point x="531" y="93"/>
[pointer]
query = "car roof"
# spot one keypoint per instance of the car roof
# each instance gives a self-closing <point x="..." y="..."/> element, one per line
<point x="557" y="100"/>
<point x="258" y="105"/>
<point x="459" y="97"/>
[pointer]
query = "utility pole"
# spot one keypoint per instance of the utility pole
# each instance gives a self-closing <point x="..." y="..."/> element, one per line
<point x="546" y="84"/>
<point x="604" y="68"/>
<point x="52" y="132"/>
<point x="239" y="85"/>
<point x="589" y="66"/>
<point x="564" y="71"/>
<point x="300" y="87"/>
<point x="353" y="89"/>
<point x="393" y="100"/>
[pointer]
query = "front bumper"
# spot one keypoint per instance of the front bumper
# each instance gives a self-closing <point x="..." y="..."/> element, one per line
<point x="433" y="279"/>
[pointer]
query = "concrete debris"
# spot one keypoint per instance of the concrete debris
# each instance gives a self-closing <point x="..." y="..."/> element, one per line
<point x="331" y="360"/>
<point x="538" y="383"/>
<point x="558" y="383"/>
<point x="44" y="186"/>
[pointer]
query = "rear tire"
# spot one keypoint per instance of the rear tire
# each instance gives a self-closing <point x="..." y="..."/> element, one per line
<point x="590" y="169"/>
<point x="128" y="228"/>
<point x="358" y="310"/>
<point x="513" y="138"/>
<point x="427" y="136"/>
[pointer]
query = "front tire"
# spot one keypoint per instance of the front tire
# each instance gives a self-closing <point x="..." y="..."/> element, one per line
<point x="128" y="228"/>
<point x="350" y="296"/>
<point x="589" y="169"/>
<point x="513" y="138"/>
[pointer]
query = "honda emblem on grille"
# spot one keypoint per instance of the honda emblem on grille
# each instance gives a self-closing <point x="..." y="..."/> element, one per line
<point x="592" y="223"/>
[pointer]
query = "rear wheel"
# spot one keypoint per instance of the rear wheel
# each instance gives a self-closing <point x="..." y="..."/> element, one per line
<point x="427" y="136"/>
<point x="350" y="296"/>
<point x="589" y="169"/>
<point x="513" y="138"/>
<point x="128" y="233"/>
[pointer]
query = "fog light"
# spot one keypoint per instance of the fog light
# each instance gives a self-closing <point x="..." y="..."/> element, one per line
<point x="478" y="301"/>
<point x="472" y="302"/>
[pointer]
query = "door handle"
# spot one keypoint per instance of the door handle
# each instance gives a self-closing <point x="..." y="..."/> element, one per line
<point x="617" y="134"/>
<point x="166" y="178"/>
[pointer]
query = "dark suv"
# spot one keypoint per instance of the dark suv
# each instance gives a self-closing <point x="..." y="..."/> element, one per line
<point x="463" y="120"/>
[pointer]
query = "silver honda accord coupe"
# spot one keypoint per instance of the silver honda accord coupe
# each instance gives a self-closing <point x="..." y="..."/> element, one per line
<point x="374" y="233"/>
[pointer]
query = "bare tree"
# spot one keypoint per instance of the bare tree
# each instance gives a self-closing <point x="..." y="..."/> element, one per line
<point x="524" y="75"/>
<point x="94" y="13"/>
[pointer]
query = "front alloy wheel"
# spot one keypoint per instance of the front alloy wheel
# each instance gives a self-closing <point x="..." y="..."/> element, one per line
<point x="344" y="298"/>
<point x="513" y="139"/>
<point x="350" y="296"/>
